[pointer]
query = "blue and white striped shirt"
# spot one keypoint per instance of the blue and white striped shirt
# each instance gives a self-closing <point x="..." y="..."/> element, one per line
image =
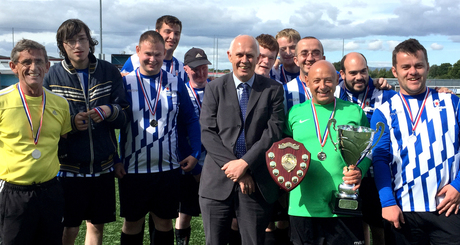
<point x="184" y="145"/>
<point x="178" y="67"/>
<point x="147" y="149"/>
<point x="410" y="168"/>
<point x="281" y="75"/>
<point x="368" y="102"/>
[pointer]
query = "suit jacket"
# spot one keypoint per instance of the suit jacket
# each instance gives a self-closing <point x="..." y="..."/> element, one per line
<point x="221" y="125"/>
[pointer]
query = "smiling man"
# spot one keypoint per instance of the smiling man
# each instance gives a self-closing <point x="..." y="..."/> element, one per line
<point x="287" y="40"/>
<point x="307" y="51"/>
<point x="235" y="179"/>
<point x="358" y="89"/>
<point x="149" y="145"/>
<point x="170" y="28"/>
<point x="268" y="47"/>
<point x="312" y="222"/>
<point x="416" y="162"/>
<point x="94" y="90"/>
<point x="32" y="120"/>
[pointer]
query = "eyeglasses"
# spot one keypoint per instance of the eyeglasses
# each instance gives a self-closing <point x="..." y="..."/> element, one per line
<point x="28" y="62"/>
<point x="314" y="53"/>
<point x="73" y="42"/>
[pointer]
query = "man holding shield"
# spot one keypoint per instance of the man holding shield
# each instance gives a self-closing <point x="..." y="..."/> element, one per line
<point x="311" y="219"/>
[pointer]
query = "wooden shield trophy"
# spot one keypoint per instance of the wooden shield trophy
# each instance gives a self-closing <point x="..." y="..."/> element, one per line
<point x="287" y="162"/>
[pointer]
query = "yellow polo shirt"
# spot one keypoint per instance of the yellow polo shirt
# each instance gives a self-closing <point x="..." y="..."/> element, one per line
<point x="17" y="166"/>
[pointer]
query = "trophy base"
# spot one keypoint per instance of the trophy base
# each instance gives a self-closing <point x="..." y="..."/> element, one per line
<point x="345" y="206"/>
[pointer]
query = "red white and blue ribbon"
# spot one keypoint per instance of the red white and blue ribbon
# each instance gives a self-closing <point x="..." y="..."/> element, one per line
<point x="29" y="116"/>
<point x="322" y="140"/>
<point x="195" y="95"/>
<point x="146" y="97"/>
<point x="362" y="104"/>
<point x="172" y="69"/>
<point x="307" y="93"/>
<point x="420" y="110"/>
<point x="100" y="112"/>
<point x="284" y="75"/>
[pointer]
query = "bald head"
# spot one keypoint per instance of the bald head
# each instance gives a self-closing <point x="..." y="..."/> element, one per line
<point x="321" y="81"/>
<point x="354" y="72"/>
<point x="244" y="55"/>
<point x="244" y="39"/>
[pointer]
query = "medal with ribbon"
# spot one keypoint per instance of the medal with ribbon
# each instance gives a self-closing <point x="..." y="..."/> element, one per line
<point x="321" y="155"/>
<point x="36" y="154"/>
<point x="414" y="122"/>
<point x="153" y="110"/>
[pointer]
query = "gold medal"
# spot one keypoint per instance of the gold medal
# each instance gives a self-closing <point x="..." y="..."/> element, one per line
<point x="154" y="123"/>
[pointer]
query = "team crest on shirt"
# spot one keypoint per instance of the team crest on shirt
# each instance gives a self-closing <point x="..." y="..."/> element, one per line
<point x="437" y="105"/>
<point x="367" y="105"/>
<point x="168" y="91"/>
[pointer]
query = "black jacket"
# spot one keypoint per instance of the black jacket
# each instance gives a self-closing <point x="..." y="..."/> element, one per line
<point x="92" y="150"/>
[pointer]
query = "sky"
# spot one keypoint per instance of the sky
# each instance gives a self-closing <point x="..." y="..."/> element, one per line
<point x="371" y="27"/>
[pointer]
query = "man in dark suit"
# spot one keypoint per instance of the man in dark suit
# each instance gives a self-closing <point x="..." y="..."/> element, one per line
<point x="242" y="115"/>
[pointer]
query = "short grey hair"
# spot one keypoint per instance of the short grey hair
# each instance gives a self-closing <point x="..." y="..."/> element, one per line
<point x="26" y="44"/>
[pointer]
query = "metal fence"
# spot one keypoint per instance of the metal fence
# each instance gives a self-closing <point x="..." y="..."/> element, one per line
<point x="452" y="84"/>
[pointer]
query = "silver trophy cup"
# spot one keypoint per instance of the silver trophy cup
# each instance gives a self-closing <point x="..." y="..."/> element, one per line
<point x="355" y="142"/>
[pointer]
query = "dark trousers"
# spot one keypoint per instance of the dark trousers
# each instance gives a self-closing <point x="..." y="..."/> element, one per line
<point x="252" y="212"/>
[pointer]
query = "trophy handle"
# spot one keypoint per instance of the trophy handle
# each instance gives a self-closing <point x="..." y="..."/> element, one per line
<point x="332" y="120"/>
<point x="380" y="128"/>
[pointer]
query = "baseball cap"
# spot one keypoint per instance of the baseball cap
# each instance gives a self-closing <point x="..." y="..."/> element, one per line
<point x="196" y="57"/>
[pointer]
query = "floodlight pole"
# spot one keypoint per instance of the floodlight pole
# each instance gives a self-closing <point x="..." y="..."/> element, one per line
<point x="100" y="25"/>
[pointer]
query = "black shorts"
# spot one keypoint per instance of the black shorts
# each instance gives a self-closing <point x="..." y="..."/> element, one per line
<point x="31" y="214"/>
<point x="371" y="208"/>
<point x="89" y="198"/>
<point x="425" y="228"/>
<point x="331" y="231"/>
<point x="189" y="203"/>
<point x="157" y="193"/>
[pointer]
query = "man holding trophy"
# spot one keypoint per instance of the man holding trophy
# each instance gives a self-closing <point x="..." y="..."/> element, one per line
<point x="312" y="218"/>
<point x="416" y="163"/>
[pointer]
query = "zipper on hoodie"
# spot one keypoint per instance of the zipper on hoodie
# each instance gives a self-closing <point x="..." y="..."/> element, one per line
<point x="90" y="124"/>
